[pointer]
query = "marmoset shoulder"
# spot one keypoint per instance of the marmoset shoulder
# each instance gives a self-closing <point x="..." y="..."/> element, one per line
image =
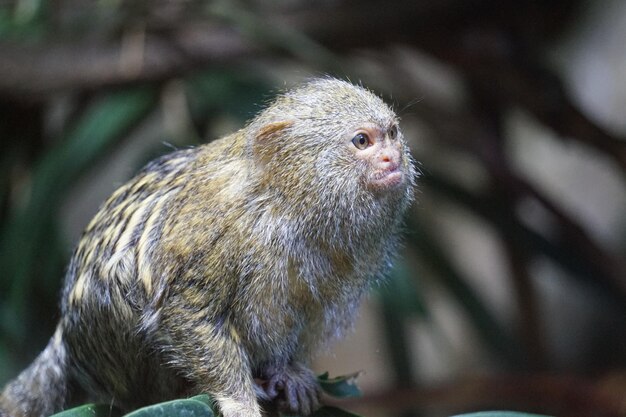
<point x="224" y="268"/>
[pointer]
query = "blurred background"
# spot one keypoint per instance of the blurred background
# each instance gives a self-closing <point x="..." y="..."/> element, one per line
<point x="511" y="289"/>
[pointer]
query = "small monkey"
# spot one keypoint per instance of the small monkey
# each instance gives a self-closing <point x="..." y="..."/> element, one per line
<point x="222" y="269"/>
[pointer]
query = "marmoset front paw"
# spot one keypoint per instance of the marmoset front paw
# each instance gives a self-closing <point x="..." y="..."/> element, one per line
<point x="294" y="389"/>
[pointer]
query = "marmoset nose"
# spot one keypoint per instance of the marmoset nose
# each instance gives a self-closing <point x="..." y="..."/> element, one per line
<point x="389" y="158"/>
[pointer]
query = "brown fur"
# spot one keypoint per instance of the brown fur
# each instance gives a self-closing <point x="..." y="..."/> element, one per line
<point x="231" y="262"/>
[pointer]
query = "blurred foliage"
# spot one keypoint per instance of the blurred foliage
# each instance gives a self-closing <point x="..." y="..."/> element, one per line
<point x="79" y="81"/>
<point x="204" y="406"/>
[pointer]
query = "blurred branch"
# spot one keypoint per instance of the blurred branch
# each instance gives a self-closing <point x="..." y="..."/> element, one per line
<point x="557" y="395"/>
<point x="531" y="325"/>
<point x="183" y="45"/>
<point x="36" y="70"/>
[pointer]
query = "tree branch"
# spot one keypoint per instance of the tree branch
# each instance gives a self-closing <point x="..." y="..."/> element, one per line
<point x="38" y="70"/>
<point x="541" y="393"/>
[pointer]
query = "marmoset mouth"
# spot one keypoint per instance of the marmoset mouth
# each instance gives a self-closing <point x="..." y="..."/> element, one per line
<point x="387" y="178"/>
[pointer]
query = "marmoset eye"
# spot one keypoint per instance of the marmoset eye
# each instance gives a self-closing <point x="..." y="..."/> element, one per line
<point x="361" y="141"/>
<point x="393" y="132"/>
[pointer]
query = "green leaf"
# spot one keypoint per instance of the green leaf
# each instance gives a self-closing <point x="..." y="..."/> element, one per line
<point x="191" y="407"/>
<point x="341" y="387"/>
<point x="499" y="414"/>
<point x="205" y="398"/>
<point x="90" y="410"/>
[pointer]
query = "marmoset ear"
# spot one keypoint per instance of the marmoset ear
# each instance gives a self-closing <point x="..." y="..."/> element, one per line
<point x="267" y="140"/>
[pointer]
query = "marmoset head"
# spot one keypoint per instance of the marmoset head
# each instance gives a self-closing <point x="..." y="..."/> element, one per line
<point x="331" y="135"/>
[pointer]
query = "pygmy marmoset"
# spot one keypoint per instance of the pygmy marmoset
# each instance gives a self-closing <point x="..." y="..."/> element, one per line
<point x="223" y="269"/>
